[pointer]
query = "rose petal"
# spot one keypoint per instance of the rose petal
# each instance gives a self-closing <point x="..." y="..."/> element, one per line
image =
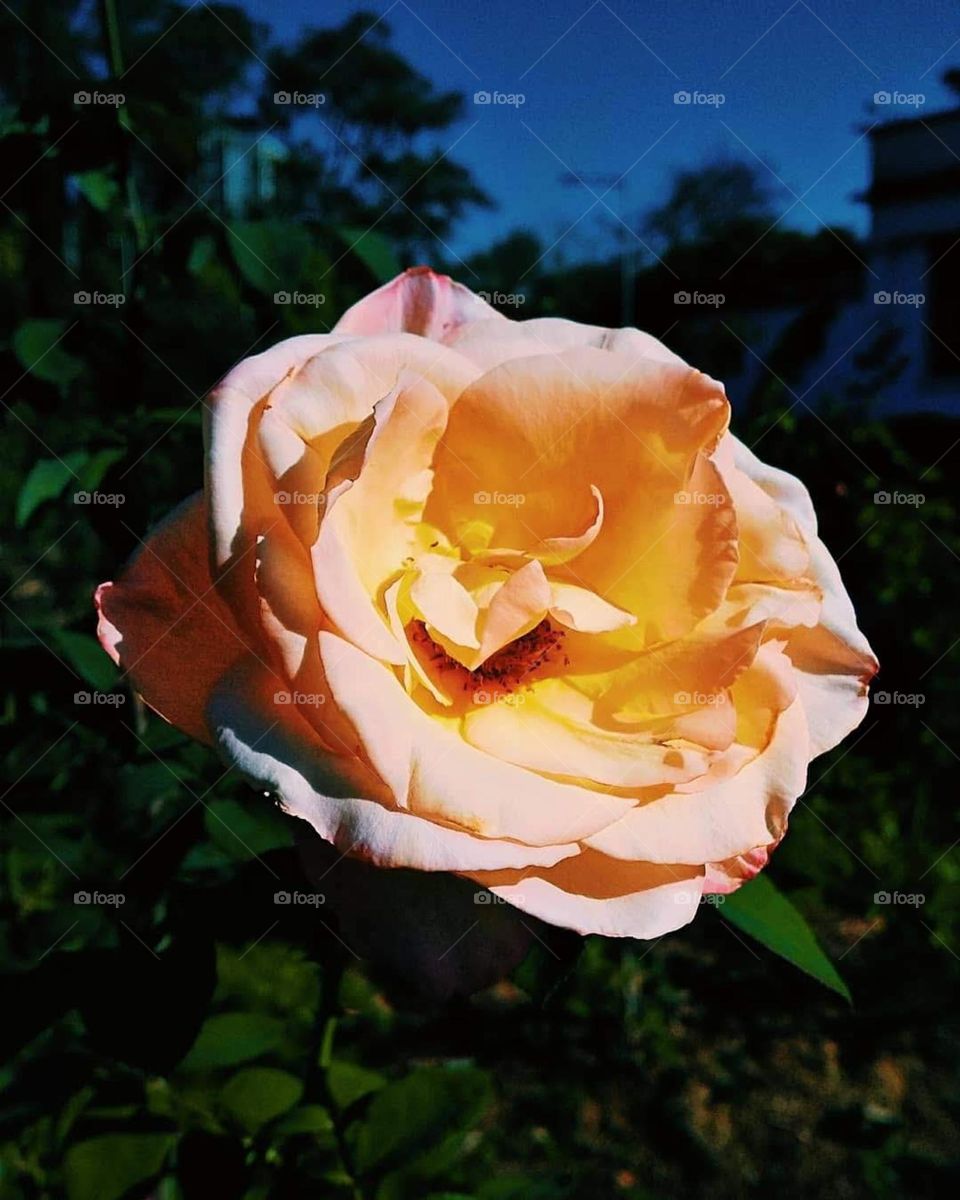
<point x="434" y="773"/>
<point x="273" y="746"/>
<point x="549" y="728"/>
<point x="370" y="524"/>
<point x="834" y="662"/>
<point x="493" y="342"/>
<point x="540" y="429"/>
<point x="585" y="611"/>
<point x="747" y="810"/>
<point x="601" y="895"/>
<point x="164" y="625"/>
<point x="418" y="301"/>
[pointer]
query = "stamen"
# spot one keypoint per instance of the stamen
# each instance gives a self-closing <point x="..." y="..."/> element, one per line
<point x="511" y="667"/>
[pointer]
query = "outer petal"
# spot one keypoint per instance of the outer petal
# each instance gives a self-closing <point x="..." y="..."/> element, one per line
<point x="490" y="343"/>
<point x="834" y="662"/>
<point x="418" y="301"/>
<point x="595" y="894"/>
<point x="274" y="747"/>
<point x="238" y="488"/>
<point x="773" y="546"/>
<point x="725" y="877"/>
<point x="165" y="626"/>
<point x="277" y="423"/>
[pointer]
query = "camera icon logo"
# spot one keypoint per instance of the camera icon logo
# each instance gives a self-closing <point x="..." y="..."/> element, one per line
<point x="881" y="297"/>
<point x="681" y="297"/>
<point x="681" y="97"/>
<point x="281" y="897"/>
<point x="281" y="97"/>
<point x="281" y="297"/>
<point x="881" y="97"/>
<point x="481" y="97"/>
<point x="81" y="897"/>
<point x="881" y="897"/>
<point x="81" y="97"/>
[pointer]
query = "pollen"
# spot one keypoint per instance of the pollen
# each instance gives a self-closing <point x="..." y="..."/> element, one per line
<point x="513" y="666"/>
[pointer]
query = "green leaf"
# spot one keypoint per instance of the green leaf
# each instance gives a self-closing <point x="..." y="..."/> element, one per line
<point x="230" y="1038"/>
<point x="46" y="480"/>
<point x="348" y="1082"/>
<point x="763" y="912"/>
<point x="418" y="1113"/>
<point x="311" y="1118"/>
<point x="98" y="187"/>
<point x="97" y="465"/>
<point x="374" y="251"/>
<point x="87" y="657"/>
<point x="107" y="1167"/>
<point x="269" y="254"/>
<point x="256" y="1095"/>
<point x="245" y="831"/>
<point x="38" y="349"/>
<point x="202" y="251"/>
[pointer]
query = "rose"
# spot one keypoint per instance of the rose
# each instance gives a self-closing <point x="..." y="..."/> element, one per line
<point x="679" y="664"/>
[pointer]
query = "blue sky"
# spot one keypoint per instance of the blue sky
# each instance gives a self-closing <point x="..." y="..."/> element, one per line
<point x="599" y="79"/>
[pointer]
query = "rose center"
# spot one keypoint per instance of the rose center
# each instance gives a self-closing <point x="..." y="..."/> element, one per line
<point x="514" y="666"/>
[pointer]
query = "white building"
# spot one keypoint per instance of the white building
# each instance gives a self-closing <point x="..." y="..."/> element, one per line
<point x="911" y="280"/>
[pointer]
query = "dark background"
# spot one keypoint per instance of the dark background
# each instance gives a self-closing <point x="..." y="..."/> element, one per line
<point x="143" y="247"/>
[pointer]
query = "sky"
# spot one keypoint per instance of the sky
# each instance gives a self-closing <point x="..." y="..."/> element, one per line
<point x="787" y="82"/>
